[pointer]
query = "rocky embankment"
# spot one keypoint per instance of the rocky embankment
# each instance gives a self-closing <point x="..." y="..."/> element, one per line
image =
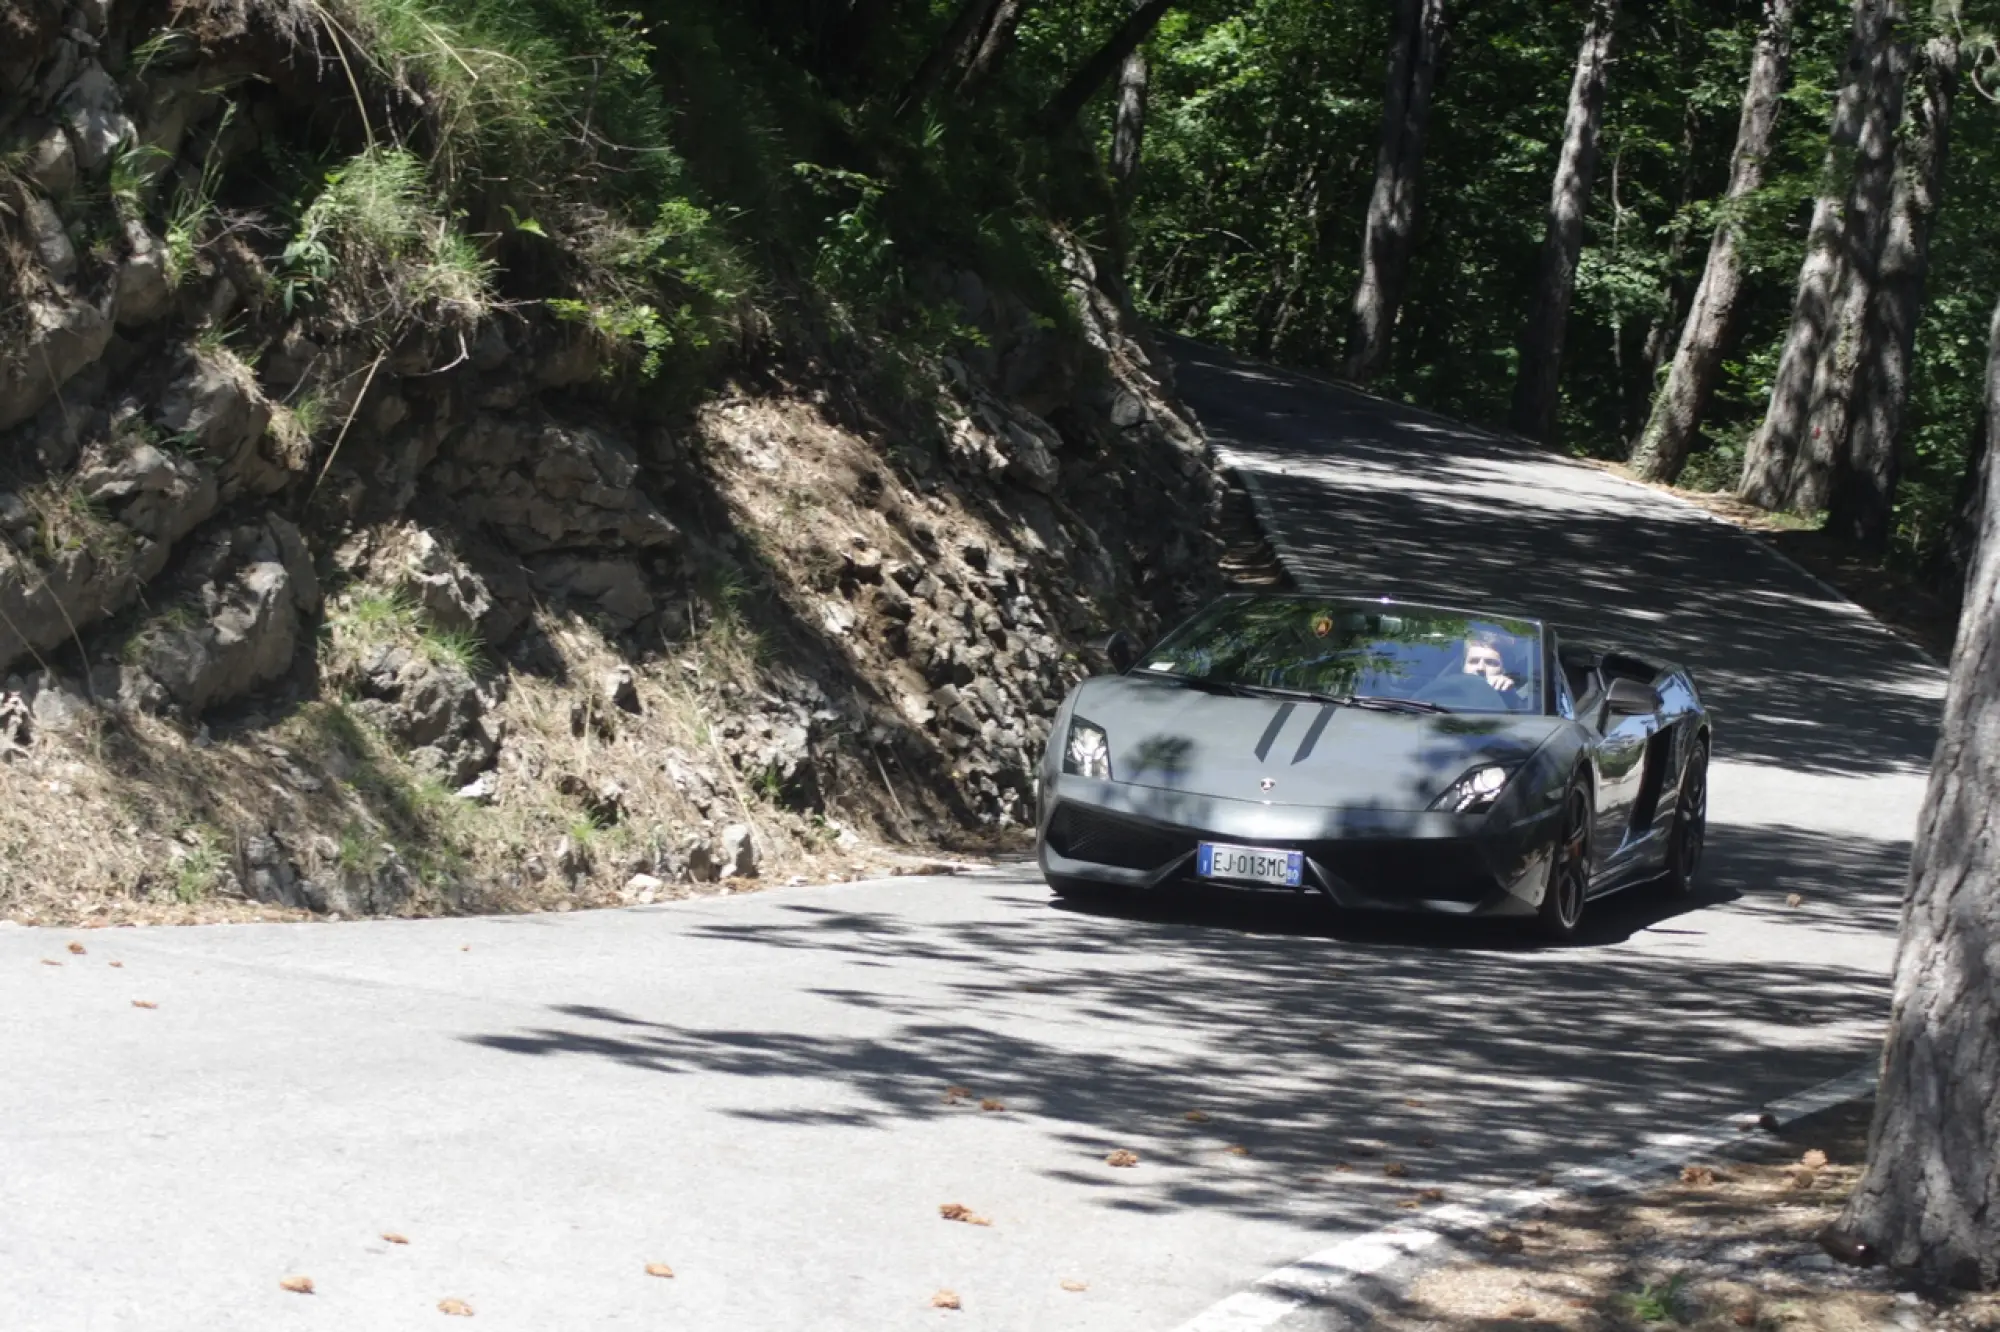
<point x="296" y="618"/>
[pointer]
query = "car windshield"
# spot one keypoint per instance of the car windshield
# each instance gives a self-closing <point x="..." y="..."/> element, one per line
<point x="1374" y="652"/>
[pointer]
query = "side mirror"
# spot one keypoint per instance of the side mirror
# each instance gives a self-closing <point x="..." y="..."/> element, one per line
<point x="1629" y="698"/>
<point x="1119" y="651"/>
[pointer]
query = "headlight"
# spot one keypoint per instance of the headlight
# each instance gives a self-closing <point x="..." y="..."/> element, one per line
<point x="1087" y="753"/>
<point x="1475" y="792"/>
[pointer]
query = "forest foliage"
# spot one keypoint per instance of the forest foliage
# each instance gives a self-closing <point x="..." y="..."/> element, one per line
<point x="694" y="167"/>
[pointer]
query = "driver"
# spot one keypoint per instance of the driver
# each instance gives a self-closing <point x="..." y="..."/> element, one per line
<point x="1484" y="658"/>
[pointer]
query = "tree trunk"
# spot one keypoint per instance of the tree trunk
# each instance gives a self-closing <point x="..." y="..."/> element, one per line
<point x="1536" y="388"/>
<point x="950" y="52"/>
<point x="1864" y="494"/>
<point x="1068" y="103"/>
<point x="995" y="40"/>
<point x="1663" y="332"/>
<point x="1669" y="434"/>
<point x="1769" y="462"/>
<point x="1930" y="1198"/>
<point x="1865" y="232"/>
<point x="1392" y="209"/>
<point x="1128" y="131"/>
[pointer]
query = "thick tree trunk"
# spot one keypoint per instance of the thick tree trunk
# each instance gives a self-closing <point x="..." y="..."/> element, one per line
<point x="1864" y="492"/>
<point x="1536" y="387"/>
<point x="1670" y="431"/>
<point x="953" y="47"/>
<point x="1063" y="109"/>
<point x="1865" y="232"/>
<point x="1930" y="1198"/>
<point x="1392" y="209"/>
<point x="1128" y="131"/>
<point x="1769" y="462"/>
<point x="995" y="40"/>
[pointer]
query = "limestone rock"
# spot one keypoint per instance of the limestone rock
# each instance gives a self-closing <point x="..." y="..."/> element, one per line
<point x="739" y="855"/>
<point x="216" y="407"/>
<point x="156" y="494"/>
<point x="438" y="714"/>
<point x="141" y="292"/>
<point x="622" y="689"/>
<point x="557" y="488"/>
<point x="50" y="242"/>
<point x="452" y="595"/>
<point x="95" y="115"/>
<point x="63" y="337"/>
<point x="615" y="589"/>
<point x="248" y="640"/>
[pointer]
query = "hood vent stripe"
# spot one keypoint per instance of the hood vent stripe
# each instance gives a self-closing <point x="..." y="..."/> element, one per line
<point x="1313" y="733"/>
<point x="1278" y="720"/>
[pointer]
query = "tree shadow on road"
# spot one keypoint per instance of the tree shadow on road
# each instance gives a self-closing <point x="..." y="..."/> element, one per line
<point x="1374" y="498"/>
<point x="1326" y="1050"/>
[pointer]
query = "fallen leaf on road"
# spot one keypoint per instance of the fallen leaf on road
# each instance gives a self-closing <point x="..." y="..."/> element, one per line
<point x="1431" y="1195"/>
<point x="1412" y="1101"/>
<point x="945" y="1299"/>
<point x="1813" y="1159"/>
<point x="1237" y="1149"/>
<point x="659" y="1270"/>
<point x="298" y="1285"/>
<point x="1522" y="1311"/>
<point x="1395" y="1169"/>
<point x="76" y="948"/>
<point x="1409" y="1204"/>
<point x="1342" y="1165"/>
<point x="1700" y="1176"/>
<point x="116" y="964"/>
<point x="1196" y="1116"/>
<point x="456" y="1308"/>
<point x="50" y="962"/>
<point x="1744" y="1316"/>
<point x="394" y="1238"/>
<point x="1076" y="1285"/>
<point x="953" y="1095"/>
<point x="1793" y="899"/>
<point x="988" y="1103"/>
<point x="960" y="1212"/>
<point x="1121" y="1157"/>
<point x="144" y="1003"/>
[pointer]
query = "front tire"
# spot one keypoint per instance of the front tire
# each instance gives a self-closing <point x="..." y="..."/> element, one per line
<point x="1561" y="912"/>
<point x="1689" y="835"/>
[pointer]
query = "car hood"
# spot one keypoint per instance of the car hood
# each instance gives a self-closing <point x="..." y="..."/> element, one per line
<point x="1178" y="738"/>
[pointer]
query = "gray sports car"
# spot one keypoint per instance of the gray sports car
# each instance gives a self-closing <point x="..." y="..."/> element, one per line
<point x="1383" y="754"/>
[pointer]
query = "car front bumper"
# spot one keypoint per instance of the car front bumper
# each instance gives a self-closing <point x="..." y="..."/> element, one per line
<point x="1364" y="858"/>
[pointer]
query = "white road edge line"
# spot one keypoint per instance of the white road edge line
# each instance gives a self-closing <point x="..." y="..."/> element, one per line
<point x="1351" y="1277"/>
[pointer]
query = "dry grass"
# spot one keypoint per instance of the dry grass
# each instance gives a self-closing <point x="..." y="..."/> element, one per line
<point x="1726" y="1246"/>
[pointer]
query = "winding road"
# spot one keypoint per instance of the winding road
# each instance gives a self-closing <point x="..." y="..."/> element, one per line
<point x="752" y="1089"/>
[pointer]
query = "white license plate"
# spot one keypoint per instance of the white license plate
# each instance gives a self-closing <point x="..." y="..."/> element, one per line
<point x="1251" y="864"/>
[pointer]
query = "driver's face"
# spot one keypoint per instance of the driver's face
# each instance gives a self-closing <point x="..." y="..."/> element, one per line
<point x="1483" y="660"/>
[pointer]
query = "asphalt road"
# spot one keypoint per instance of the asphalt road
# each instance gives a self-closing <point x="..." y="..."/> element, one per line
<point x="751" y="1089"/>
